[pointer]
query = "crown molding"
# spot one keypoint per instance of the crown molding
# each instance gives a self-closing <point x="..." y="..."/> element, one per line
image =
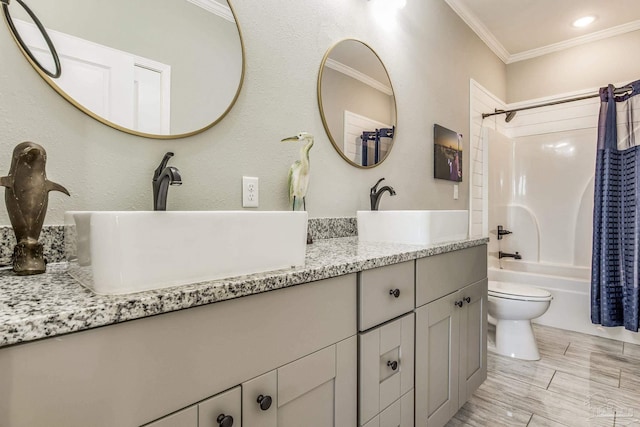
<point x="353" y="73"/>
<point x="576" y="41"/>
<point x="215" y="8"/>
<point x="490" y="40"/>
<point x="480" y="29"/>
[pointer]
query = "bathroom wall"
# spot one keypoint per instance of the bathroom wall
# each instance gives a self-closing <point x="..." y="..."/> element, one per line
<point x="428" y="50"/>
<point x="592" y="65"/>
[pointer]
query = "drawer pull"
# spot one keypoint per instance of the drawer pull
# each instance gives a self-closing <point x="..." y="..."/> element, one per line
<point x="224" y="420"/>
<point x="467" y="300"/>
<point x="265" y="402"/>
<point x="395" y="292"/>
<point x="460" y="303"/>
<point x="392" y="364"/>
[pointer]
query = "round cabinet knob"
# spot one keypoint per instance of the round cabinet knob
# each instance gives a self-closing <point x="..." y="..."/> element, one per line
<point x="459" y="303"/>
<point x="265" y="402"/>
<point x="224" y="420"/>
<point x="395" y="292"/>
<point x="392" y="364"/>
<point x="467" y="300"/>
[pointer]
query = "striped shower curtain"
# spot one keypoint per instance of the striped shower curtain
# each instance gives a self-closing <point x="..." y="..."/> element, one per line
<point x="615" y="267"/>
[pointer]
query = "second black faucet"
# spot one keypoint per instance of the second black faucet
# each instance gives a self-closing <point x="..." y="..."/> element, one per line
<point x="376" y="194"/>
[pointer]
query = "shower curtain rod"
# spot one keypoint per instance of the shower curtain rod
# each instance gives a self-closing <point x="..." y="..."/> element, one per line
<point x="617" y="91"/>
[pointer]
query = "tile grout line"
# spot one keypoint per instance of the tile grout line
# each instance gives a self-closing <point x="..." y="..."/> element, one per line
<point x="552" y="377"/>
<point x="529" y="422"/>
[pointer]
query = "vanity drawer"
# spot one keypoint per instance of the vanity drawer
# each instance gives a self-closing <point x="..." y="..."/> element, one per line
<point x="386" y="365"/>
<point x="385" y="293"/>
<point x="440" y="275"/>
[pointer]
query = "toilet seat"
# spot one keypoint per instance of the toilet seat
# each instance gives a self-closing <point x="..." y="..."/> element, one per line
<point x="517" y="292"/>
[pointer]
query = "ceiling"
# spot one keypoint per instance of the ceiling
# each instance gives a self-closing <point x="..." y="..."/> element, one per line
<point x="521" y="29"/>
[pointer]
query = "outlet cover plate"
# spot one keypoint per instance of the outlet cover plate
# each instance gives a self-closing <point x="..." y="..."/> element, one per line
<point x="250" y="192"/>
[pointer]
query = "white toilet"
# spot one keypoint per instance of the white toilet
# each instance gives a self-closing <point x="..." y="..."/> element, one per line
<point x="513" y="307"/>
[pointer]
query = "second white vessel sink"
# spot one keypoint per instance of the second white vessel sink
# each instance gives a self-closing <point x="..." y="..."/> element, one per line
<point x="123" y="252"/>
<point x="419" y="227"/>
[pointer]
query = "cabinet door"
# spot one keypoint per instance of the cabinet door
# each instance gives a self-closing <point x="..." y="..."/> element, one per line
<point x="437" y="353"/>
<point x="473" y="339"/>
<point x="319" y="390"/>
<point x="386" y="365"/>
<point x="221" y="410"/>
<point x="186" y="418"/>
<point x="399" y="414"/>
<point x="260" y="401"/>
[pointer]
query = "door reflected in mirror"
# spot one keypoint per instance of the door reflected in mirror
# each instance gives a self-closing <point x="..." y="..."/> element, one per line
<point x="161" y="69"/>
<point x="357" y="103"/>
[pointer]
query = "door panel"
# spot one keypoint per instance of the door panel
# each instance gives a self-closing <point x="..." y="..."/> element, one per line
<point x="315" y="408"/>
<point x="386" y="365"/>
<point x="303" y="375"/>
<point x="260" y="401"/>
<point x="227" y="404"/>
<point x="473" y="340"/>
<point x="437" y="353"/>
<point x="320" y="389"/>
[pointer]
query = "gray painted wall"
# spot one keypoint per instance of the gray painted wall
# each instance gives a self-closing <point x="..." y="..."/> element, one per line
<point x="430" y="55"/>
<point x="593" y="65"/>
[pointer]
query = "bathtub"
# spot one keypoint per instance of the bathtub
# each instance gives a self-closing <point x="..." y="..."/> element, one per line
<point x="570" y="287"/>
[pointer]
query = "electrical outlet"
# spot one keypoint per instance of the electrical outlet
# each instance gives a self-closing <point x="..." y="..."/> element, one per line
<point x="250" y="192"/>
<point x="455" y="191"/>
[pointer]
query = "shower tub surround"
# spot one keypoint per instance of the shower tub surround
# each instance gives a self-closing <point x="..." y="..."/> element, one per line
<point x="54" y="303"/>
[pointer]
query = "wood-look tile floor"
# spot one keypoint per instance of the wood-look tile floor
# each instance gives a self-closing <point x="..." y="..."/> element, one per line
<point x="581" y="380"/>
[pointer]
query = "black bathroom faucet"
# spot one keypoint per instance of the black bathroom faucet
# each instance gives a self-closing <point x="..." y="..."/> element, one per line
<point x="163" y="177"/>
<point x="376" y="194"/>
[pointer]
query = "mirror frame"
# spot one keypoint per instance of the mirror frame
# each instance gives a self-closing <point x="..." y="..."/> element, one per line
<point x="321" y="107"/>
<point x="102" y="120"/>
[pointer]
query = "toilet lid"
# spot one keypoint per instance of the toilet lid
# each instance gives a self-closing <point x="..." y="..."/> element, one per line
<point x="517" y="291"/>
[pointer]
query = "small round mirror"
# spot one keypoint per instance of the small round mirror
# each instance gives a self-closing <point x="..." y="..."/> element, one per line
<point x="162" y="70"/>
<point x="357" y="103"/>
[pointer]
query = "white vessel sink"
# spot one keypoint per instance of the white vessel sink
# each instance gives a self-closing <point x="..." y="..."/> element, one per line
<point x="124" y="252"/>
<point x="413" y="227"/>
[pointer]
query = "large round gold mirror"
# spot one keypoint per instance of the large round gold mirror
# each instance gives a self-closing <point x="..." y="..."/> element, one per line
<point x="154" y="68"/>
<point x="357" y="103"/>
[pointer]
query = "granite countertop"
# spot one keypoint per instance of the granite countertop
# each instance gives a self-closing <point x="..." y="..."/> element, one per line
<point x="50" y="304"/>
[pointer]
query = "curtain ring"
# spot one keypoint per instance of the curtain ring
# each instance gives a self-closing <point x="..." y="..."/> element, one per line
<point x="43" y="31"/>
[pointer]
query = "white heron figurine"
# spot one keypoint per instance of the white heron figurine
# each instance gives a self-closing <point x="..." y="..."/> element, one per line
<point x="299" y="172"/>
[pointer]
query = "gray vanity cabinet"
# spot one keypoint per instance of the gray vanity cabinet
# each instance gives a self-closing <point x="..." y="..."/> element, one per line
<point x="386" y="345"/>
<point x="451" y="330"/>
<point x="135" y="373"/>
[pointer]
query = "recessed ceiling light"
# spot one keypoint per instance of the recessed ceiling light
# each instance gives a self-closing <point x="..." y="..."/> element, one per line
<point x="584" y="21"/>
